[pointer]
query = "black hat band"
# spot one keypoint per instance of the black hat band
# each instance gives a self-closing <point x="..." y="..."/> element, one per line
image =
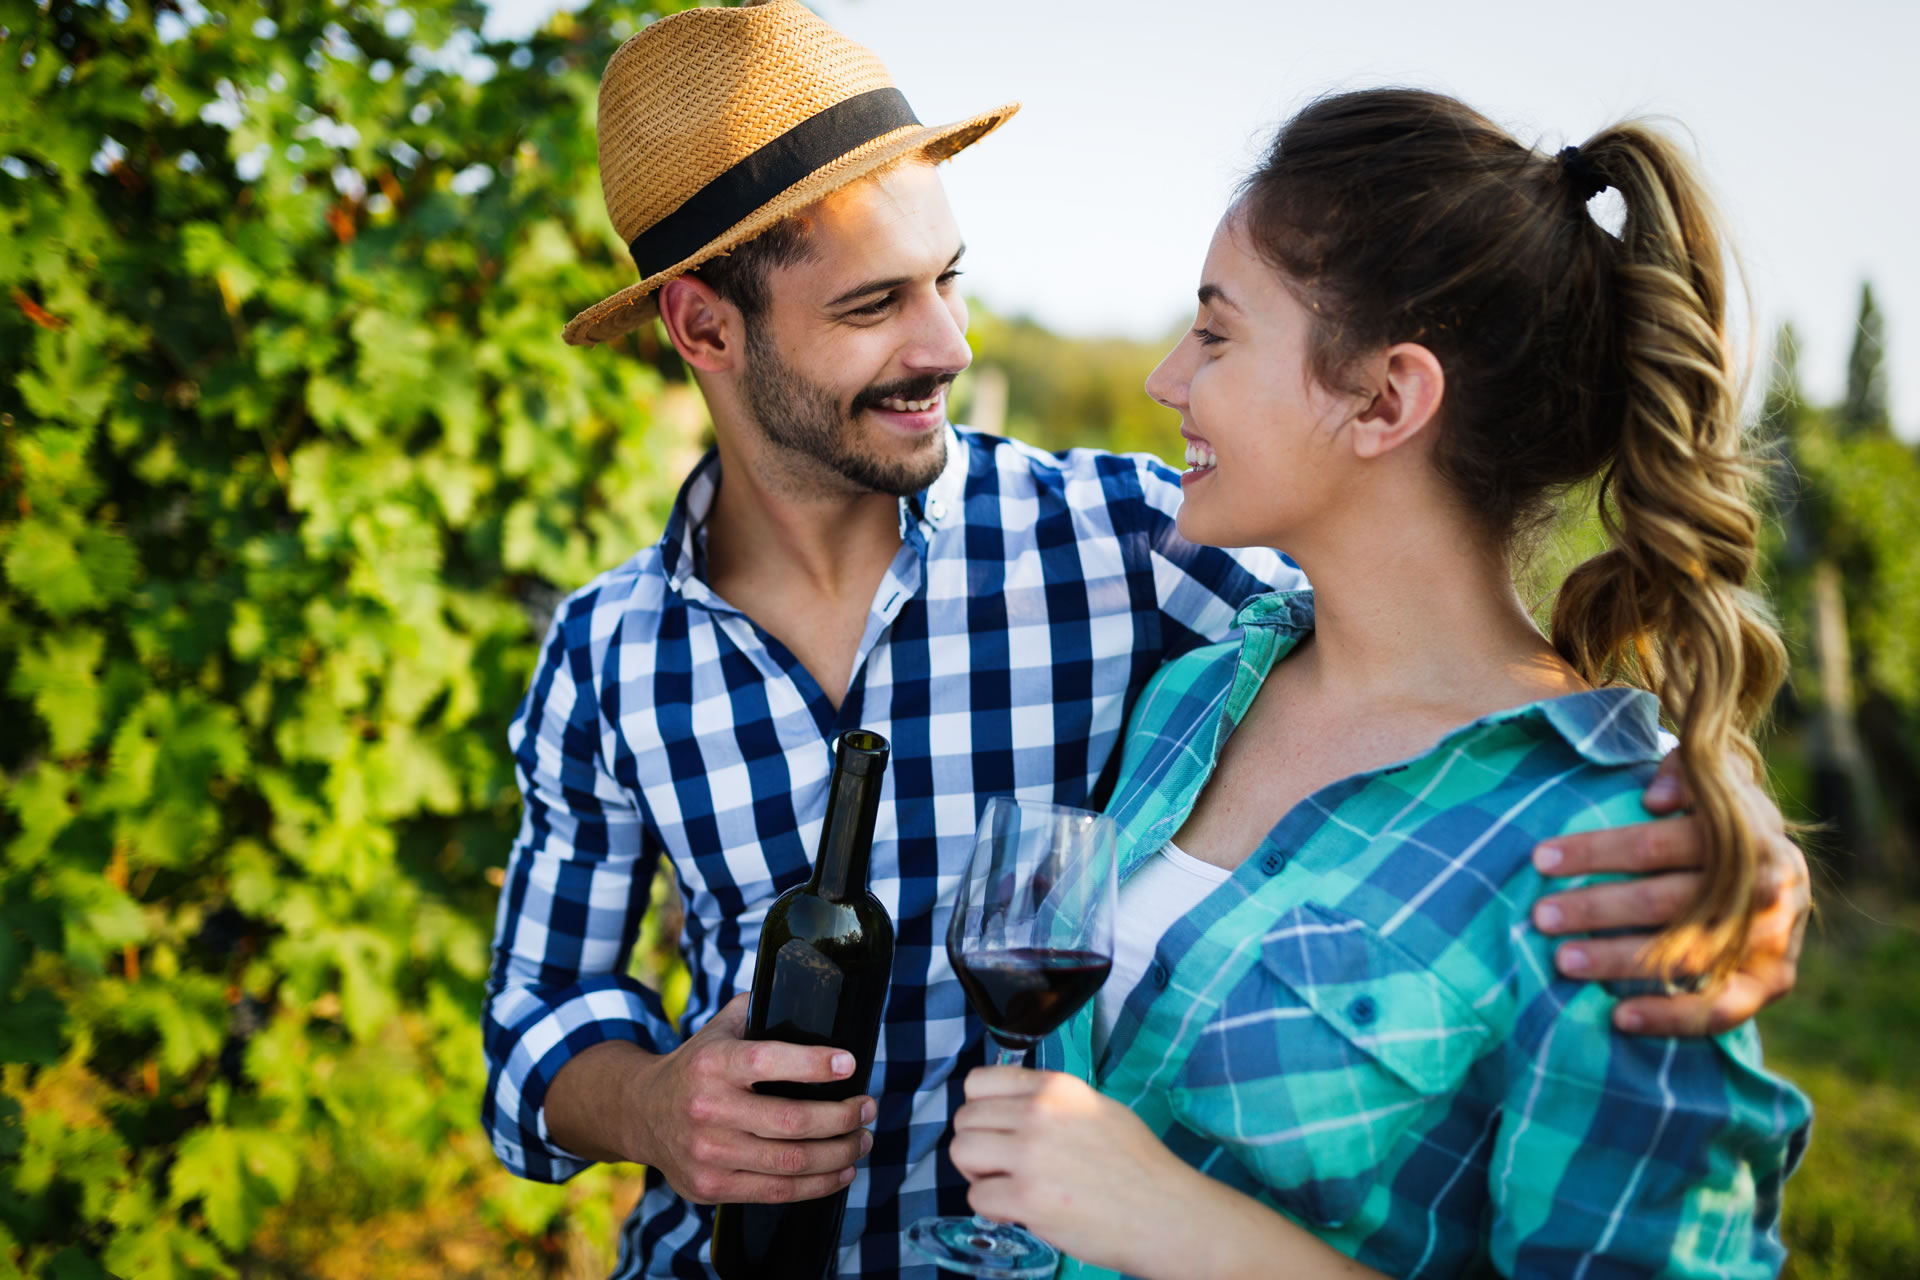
<point x="811" y="145"/>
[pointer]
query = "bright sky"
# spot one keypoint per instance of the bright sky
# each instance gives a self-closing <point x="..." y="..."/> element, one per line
<point x="1091" y="209"/>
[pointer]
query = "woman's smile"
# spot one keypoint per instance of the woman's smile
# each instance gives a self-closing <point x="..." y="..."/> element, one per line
<point x="1200" y="460"/>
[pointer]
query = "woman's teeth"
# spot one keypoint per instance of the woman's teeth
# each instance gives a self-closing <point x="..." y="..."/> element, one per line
<point x="1199" y="456"/>
<point x="898" y="405"/>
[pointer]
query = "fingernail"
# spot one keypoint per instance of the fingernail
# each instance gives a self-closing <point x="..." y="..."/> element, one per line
<point x="1547" y="857"/>
<point x="866" y="1141"/>
<point x="846" y="1175"/>
<point x="1549" y="916"/>
<point x="1663" y="791"/>
<point x="1629" y="1020"/>
<point x="843" y="1064"/>
<point x="868" y="1111"/>
<point x="1573" y="960"/>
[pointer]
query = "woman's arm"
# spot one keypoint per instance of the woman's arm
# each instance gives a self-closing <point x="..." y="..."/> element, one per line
<point x="1631" y="1155"/>
<point x="1080" y="1170"/>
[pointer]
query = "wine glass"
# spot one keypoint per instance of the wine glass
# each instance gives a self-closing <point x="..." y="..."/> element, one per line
<point x="1031" y="941"/>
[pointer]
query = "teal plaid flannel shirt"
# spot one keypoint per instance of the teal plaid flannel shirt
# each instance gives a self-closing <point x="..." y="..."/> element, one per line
<point x="1362" y="1029"/>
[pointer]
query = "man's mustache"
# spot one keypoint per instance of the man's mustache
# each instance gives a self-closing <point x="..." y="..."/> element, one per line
<point x="920" y="388"/>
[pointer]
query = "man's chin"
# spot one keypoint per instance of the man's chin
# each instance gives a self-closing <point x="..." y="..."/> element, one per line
<point x="904" y="473"/>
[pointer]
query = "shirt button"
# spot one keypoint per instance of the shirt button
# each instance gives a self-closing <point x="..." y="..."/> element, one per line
<point x="1362" y="1011"/>
<point x="1273" y="861"/>
<point x="936" y="509"/>
<point x="1159" y="975"/>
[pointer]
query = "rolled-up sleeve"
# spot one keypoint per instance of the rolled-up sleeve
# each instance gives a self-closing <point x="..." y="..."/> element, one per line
<point x="575" y="891"/>
<point x="1630" y="1156"/>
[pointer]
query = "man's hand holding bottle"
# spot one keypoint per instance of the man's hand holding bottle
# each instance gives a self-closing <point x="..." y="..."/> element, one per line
<point x="693" y="1115"/>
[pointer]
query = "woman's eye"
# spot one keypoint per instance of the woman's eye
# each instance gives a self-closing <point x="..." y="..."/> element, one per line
<point x="1207" y="337"/>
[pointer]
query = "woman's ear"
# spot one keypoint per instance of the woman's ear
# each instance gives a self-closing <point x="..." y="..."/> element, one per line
<point x="1409" y="386"/>
<point x="704" y="328"/>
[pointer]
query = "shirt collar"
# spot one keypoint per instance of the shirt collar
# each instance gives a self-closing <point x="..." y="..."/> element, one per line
<point x="683" y="544"/>
<point x="1280" y="610"/>
<point x="939" y="504"/>
<point x="1612" y="726"/>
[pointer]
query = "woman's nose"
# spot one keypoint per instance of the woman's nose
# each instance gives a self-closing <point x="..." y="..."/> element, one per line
<point x="1167" y="384"/>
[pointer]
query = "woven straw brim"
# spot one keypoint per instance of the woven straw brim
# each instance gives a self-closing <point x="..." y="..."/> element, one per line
<point x="636" y="305"/>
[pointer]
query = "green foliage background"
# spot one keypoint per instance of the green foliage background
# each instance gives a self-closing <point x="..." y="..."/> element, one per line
<point x="294" y="459"/>
<point x="293" y="463"/>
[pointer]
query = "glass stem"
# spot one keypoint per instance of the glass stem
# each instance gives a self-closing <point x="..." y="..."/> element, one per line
<point x="1002" y="1057"/>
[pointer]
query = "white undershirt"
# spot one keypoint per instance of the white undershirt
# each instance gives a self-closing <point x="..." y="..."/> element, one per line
<point x="1162" y="889"/>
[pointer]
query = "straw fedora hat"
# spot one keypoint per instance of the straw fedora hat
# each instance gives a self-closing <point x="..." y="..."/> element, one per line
<point x="717" y="123"/>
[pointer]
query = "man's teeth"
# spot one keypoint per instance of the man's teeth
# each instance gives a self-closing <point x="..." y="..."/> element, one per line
<point x="1199" y="455"/>
<point x="909" y="406"/>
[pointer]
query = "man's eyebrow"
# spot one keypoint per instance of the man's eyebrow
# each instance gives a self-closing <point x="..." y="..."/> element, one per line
<point x="871" y="287"/>
<point x="1214" y="295"/>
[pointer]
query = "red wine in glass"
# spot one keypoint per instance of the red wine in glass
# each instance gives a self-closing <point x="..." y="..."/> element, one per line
<point x="1025" y="993"/>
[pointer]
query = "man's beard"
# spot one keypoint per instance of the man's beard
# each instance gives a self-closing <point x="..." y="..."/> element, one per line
<point x="803" y="419"/>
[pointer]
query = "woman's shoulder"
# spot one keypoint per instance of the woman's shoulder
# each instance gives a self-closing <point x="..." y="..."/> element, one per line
<point x="1578" y="762"/>
<point x="1438" y="853"/>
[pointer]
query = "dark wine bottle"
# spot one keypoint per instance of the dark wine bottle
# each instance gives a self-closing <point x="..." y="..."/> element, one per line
<point x="826" y="952"/>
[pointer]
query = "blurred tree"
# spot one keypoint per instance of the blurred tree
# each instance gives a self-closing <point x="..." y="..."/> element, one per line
<point x="1807" y="587"/>
<point x="1849" y="579"/>
<point x="1865" y="408"/>
<point x="1064" y="393"/>
<point x="295" y="462"/>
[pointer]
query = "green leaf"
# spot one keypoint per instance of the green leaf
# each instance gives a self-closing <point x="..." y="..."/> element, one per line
<point x="11" y="1137"/>
<point x="30" y="1028"/>
<point x="152" y="1243"/>
<point x="99" y="918"/>
<point x="208" y="253"/>
<point x="237" y="1175"/>
<point x="44" y="562"/>
<point x="65" y="570"/>
<point x="71" y="1264"/>
<point x="188" y="1012"/>
<point x="59" y="677"/>
<point x="42" y="800"/>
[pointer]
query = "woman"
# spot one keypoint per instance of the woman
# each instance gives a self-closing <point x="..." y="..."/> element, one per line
<point x="1413" y="337"/>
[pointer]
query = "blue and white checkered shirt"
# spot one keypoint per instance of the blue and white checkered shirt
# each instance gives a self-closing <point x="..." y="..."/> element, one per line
<point x="1031" y="599"/>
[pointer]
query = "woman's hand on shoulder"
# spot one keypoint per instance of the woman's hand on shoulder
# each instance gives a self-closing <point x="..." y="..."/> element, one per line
<point x="1665" y="858"/>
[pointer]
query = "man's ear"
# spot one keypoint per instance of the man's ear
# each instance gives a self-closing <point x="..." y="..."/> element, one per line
<point x="1405" y="403"/>
<point x="706" y="329"/>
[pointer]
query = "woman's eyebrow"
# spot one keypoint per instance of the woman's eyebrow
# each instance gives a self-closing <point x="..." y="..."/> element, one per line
<point x="1212" y="295"/>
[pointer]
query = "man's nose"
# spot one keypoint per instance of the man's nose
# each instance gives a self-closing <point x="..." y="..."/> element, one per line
<point x="939" y="341"/>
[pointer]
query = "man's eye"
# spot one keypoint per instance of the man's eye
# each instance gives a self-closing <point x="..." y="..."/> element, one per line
<point x="874" y="308"/>
<point x="949" y="277"/>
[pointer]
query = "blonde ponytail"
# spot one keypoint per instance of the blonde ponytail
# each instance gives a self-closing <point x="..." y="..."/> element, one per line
<point x="1667" y="608"/>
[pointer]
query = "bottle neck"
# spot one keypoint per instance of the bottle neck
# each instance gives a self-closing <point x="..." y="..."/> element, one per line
<point x="846" y="842"/>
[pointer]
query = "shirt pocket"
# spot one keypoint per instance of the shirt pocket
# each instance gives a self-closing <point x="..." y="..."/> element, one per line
<point x="1322" y="1057"/>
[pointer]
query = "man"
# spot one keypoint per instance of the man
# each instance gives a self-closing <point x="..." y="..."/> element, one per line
<point x="843" y="559"/>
